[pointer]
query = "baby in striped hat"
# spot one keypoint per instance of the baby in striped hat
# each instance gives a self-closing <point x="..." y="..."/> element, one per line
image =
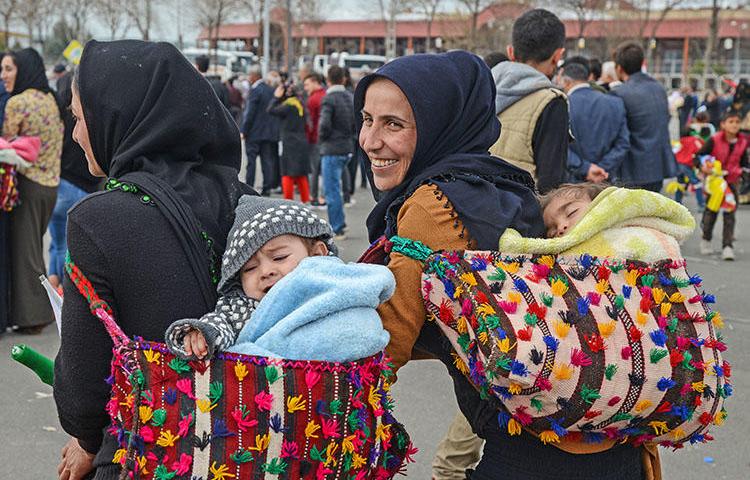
<point x="284" y="293"/>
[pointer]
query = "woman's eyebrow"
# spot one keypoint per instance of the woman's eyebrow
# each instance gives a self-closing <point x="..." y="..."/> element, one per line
<point x="389" y="116"/>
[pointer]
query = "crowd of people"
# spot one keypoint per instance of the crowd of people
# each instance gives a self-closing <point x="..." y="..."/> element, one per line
<point x="313" y="123"/>
<point x="456" y="161"/>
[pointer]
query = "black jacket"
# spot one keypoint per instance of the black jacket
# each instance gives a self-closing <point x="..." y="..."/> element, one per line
<point x="336" y="126"/>
<point x="133" y="258"/>
<point x="295" y="157"/>
<point x="221" y="90"/>
<point x="257" y="124"/>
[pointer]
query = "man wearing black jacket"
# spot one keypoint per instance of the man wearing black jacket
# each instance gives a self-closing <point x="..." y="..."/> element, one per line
<point x="202" y="63"/>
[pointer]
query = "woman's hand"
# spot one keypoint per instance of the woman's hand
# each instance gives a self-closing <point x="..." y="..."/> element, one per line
<point x="195" y="344"/>
<point x="76" y="462"/>
<point x="279" y="92"/>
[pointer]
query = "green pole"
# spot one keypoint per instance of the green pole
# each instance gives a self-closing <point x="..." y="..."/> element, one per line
<point x="41" y="365"/>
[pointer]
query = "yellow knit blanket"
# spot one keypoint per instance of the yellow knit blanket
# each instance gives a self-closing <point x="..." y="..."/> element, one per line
<point x="621" y="223"/>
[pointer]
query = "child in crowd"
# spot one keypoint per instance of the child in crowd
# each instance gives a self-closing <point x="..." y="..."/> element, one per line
<point x="731" y="149"/>
<point x="687" y="178"/>
<point x="606" y="222"/>
<point x="284" y="293"/>
<point x="702" y="125"/>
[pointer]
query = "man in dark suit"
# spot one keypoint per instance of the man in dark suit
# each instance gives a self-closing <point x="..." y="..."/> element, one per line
<point x="650" y="159"/>
<point x="202" y="64"/>
<point x="261" y="132"/>
<point x="599" y="126"/>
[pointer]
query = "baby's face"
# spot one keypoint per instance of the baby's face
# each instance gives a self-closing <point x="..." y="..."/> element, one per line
<point x="563" y="212"/>
<point x="274" y="261"/>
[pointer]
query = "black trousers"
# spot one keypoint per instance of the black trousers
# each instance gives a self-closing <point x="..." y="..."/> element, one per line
<point x="269" y="164"/>
<point x="4" y="271"/>
<point x="29" y="305"/>
<point x="652" y="187"/>
<point x="315" y="172"/>
<point x="709" y="221"/>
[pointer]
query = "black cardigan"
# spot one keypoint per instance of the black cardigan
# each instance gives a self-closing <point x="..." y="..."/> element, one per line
<point x="130" y="253"/>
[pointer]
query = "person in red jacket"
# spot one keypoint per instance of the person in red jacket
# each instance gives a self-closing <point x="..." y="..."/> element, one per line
<point x="730" y="148"/>
<point x="690" y="144"/>
<point x="313" y="85"/>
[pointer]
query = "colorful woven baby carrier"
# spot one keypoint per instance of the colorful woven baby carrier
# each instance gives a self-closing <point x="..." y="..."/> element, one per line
<point x="583" y="348"/>
<point x="246" y="417"/>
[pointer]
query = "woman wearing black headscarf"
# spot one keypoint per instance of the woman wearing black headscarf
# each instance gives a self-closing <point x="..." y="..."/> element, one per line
<point x="31" y="111"/>
<point x="149" y="244"/>
<point x="427" y="122"/>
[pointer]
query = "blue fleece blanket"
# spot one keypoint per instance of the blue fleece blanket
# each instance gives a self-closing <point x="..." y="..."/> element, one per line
<point x="323" y="310"/>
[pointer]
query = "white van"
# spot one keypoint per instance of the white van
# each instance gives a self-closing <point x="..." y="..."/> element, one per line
<point x="223" y="63"/>
<point x="358" y="65"/>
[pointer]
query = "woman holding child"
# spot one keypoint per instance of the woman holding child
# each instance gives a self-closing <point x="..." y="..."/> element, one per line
<point x="427" y="144"/>
<point x="149" y="121"/>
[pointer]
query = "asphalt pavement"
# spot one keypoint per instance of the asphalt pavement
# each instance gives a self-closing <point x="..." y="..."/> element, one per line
<point x="32" y="437"/>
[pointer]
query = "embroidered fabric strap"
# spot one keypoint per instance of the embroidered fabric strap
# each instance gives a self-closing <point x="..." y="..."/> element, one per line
<point x="410" y="248"/>
<point x="98" y="307"/>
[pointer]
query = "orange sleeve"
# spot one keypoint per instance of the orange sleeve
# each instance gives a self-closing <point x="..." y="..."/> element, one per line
<point x="428" y="217"/>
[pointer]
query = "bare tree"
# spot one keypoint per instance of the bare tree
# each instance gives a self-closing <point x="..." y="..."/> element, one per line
<point x="584" y="10"/>
<point x="36" y="15"/>
<point x="210" y="14"/>
<point x="390" y="10"/>
<point x="77" y="13"/>
<point x="141" y="13"/>
<point x="650" y="18"/>
<point x="713" y="33"/>
<point x="111" y="13"/>
<point x="475" y="7"/>
<point x="429" y="8"/>
<point x="254" y="8"/>
<point x="8" y="13"/>
<point x="304" y="13"/>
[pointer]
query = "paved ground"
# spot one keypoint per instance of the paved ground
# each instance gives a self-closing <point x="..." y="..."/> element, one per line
<point x="32" y="437"/>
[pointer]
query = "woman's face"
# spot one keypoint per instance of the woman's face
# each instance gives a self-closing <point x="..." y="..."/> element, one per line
<point x="81" y="135"/>
<point x="389" y="133"/>
<point x="9" y="72"/>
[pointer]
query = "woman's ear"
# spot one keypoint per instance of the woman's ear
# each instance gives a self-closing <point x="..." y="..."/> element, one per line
<point x="319" y="249"/>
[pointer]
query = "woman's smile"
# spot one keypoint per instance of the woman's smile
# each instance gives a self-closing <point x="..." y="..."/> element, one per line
<point x="383" y="163"/>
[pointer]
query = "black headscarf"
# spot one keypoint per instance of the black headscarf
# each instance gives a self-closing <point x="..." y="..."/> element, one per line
<point x="153" y="120"/>
<point x="148" y="110"/>
<point x="30" y="73"/>
<point x="452" y="96"/>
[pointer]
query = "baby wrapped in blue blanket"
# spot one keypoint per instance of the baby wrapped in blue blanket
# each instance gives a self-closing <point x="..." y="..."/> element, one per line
<point x="284" y="293"/>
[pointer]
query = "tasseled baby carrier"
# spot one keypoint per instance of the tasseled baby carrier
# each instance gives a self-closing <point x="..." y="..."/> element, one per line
<point x="582" y="347"/>
<point x="246" y="417"/>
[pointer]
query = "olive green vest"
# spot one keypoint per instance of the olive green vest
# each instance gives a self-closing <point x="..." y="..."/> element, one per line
<point x="517" y="128"/>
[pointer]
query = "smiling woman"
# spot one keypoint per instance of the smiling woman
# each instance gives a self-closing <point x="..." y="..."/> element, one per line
<point x="426" y="136"/>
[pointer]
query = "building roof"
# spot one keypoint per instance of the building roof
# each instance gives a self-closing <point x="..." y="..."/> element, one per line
<point x="678" y="24"/>
<point x="669" y="28"/>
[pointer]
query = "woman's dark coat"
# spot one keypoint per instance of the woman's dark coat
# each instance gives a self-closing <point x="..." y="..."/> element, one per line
<point x="295" y="156"/>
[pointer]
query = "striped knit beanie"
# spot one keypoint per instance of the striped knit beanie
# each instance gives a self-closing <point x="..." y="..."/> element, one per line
<point x="260" y="219"/>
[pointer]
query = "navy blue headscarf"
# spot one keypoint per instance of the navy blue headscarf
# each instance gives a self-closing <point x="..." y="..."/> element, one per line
<point x="452" y="96"/>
